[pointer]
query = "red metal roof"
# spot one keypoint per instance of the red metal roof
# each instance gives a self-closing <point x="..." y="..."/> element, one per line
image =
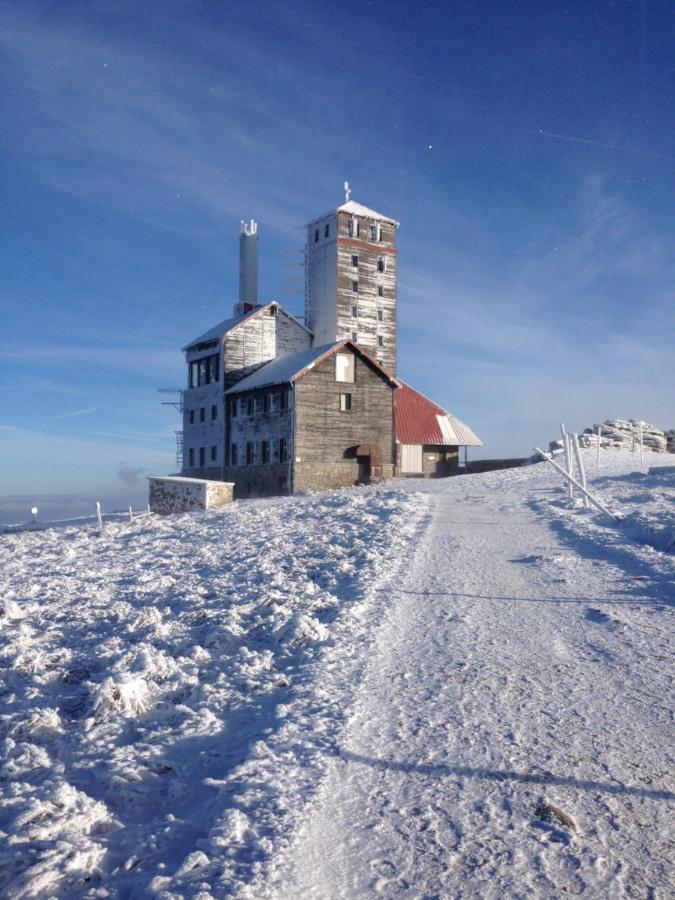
<point x="418" y="420"/>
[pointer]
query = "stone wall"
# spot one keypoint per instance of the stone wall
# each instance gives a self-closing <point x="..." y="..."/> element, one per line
<point x="173" y="494"/>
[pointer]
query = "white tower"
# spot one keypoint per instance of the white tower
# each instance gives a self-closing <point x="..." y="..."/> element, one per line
<point x="248" y="268"/>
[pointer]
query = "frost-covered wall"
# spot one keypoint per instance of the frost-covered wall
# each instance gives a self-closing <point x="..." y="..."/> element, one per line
<point x="173" y="494"/>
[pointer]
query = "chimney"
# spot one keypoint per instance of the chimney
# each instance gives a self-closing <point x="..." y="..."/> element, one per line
<point x="248" y="267"/>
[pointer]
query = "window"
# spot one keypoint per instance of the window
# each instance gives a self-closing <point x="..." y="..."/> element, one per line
<point x="283" y="450"/>
<point x="353" y="228"/>
<point x="355" y="337"/>
<point x="316" y="236"/>
<point x="191" y="457"/>
<point x="344" y="367"/>
<point x="355" y="262"/>
<point x="355" y="312"/>
<point x="283" y="401"/>
<point x="265" y="451"/>
<point x="202" y="457"/>
<point x="205" y="370"/>
<point x="250" y="407"/>
<point x="260" y="403"/>
<point x="373" y="232"/>
<point x="234" y="455"/>
<point x="355" y="287"/>
<point x="202" y="413"/>
<point x="380" y="315"/>
<point x="326" y="231"/>
<point x="283" y="482"/>
<point x="380" y="291"/>
<point x="267" y="403"/>
<point x="234" y="407"/>
<point x="380" y="341"/>
<point x="381" y="264"/>
<point x="214" y="413"/>
<point x="345" y="402"/>
<point x="192" y="417"/>
<point x="250" y="453"/>
<point x="214" y="453"/>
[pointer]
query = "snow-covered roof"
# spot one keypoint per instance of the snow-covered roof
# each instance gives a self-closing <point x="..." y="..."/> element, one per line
<point x="358" y="209"/>
<point x="222" y="328"/>
<point x="418" y="420"/>
<point x="285" y="369"/>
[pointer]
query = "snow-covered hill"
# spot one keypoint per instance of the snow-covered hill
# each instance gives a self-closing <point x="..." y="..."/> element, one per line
<point x="362" y="692"/>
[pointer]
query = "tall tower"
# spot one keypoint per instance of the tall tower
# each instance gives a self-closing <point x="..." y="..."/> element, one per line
<point x="350" y="279"/>
<point x="248" y="268"/>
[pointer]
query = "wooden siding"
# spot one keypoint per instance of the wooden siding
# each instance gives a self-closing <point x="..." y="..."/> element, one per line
<point x="258" y="340"/>
<point x="325" y="437"/>
<point x="259" y="479"/>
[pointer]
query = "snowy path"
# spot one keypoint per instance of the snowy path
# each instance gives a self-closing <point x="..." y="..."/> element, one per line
<point x="519" y="665"/>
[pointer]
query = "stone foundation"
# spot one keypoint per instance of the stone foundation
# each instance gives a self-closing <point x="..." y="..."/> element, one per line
<point x="176" y="494"/>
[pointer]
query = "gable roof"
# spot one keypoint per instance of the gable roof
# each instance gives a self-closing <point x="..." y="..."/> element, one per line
<point x="358" y="209"/>
<point x="286" y="369"/>
<point x="418" y="420"/>
<point x="222" y="328"/>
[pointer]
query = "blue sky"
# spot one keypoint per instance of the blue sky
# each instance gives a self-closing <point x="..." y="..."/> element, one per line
<point x="527" y="149"/>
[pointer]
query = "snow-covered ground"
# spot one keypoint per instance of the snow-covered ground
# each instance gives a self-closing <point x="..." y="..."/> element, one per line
<point x="363" y="693"/>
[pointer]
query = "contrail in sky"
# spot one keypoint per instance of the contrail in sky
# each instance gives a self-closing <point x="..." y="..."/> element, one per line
<point x="78" y="412"/>
<point x="576" y="140"/>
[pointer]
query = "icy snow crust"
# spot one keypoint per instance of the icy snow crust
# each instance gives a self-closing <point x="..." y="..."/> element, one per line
<point x="159" y="723"/>
<point x="377" y="692"/>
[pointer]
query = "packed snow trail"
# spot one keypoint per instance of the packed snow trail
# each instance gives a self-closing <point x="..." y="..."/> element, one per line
<point x="520" y="666"/>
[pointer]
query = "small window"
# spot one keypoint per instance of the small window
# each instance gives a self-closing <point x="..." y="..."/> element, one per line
<point x="191" y="457"/>
<point x="380" y="315"/>
<point x="380" y="341"/>
<point x="214" y="453"/>
<point x="381" y="264"/>
<point x="345" y="402"/>
<point x="250" y="453"/>
<point x="265" y="451"/>
<point x="267" y="403"/>
<point x="283" y="450"/>
<point x="214" y="413"/>
<point x="344" y="367"/>
<point x="373" y="232"/>
<point x="355" y="287"/>
<point x="234" y="407"/>
<point x="379" y="232"/>
<point x="353" y="228"/>
<point x="326" y="231"/>
<point x="316" y="236"/>
<point x="250" y="406"/>
<point x="192" y="417"/>
<point x="234" y="455"/>
<point x="355" y="337"/>
<point x="283" y="401"/>
<point x="355" y="312"/>
<point x="260" y="403"/>
<point x="380" y="291"/>
<point x="202" y="457"/>
<point x="202" y="414"/>
<point x="355" y="262"/>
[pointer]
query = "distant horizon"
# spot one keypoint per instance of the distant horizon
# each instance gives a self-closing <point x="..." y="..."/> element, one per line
<point x="527" y="154"/>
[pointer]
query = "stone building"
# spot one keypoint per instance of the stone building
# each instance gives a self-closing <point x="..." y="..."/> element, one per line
<point x="277" y="406"/>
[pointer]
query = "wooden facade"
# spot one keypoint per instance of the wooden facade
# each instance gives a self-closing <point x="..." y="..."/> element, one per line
<point x="243" y="345"/>
<point x="327" y="441"/>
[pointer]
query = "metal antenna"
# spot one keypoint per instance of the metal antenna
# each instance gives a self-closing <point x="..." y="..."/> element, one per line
<point x="347" y="191"/>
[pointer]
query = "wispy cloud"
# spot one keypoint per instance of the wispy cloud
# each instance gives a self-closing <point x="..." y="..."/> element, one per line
<point x="77" y="412"/>
<point x="606" y="146"/>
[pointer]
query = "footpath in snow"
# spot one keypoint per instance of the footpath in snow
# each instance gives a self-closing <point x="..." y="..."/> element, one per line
<point x="364" y="693"/>
<point x="526" y="662"/>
